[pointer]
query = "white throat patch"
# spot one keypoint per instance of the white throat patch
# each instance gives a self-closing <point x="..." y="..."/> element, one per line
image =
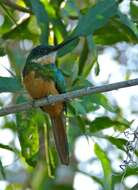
<point x="46" y="59"/>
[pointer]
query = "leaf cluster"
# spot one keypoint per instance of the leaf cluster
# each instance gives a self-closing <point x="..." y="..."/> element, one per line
<point x="96" y="24"/>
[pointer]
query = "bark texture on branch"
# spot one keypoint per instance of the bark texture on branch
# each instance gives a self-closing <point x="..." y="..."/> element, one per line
<point x="67" y="96"/>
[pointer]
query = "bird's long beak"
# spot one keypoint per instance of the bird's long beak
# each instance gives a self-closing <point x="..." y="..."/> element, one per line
<point x="51" y="57"/>
<point x="61" y="45"/>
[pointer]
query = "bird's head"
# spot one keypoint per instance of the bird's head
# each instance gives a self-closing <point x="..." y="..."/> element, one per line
<point x="43" y="54"/>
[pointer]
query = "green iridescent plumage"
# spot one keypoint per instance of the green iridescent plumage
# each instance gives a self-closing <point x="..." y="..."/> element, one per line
<point x="48" y="72"/>
<point x="41" y="78"/>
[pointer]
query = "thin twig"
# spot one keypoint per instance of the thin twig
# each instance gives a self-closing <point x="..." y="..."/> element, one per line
<point x="8" y="13"/>
<point x="67" y="96"/>
<point x="16" y="7"/>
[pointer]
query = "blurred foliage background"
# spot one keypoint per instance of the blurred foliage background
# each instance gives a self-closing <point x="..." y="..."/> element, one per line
<point x="97" y="121"/>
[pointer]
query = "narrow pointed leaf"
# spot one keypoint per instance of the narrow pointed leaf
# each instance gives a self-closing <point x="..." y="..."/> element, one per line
<point x="2" y="170"/>
<point x="42" y="19"/>
<point x="118" y="142"/>
<point x="9" y="84"/>
<point x="96" y="17"/>
<point x="104" y="122"/>
<point x="127" y="22"/>
<point x="106" y="165"/>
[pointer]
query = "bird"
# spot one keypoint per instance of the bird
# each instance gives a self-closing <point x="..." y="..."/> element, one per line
<point x="42" y="78"/>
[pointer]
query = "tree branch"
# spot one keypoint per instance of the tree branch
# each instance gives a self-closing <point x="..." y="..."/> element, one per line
<point x="67" y="96"/>
<point x="13" y="5"/>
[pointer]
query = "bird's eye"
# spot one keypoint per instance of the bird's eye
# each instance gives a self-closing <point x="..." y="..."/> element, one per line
<point x="41" y="51"/>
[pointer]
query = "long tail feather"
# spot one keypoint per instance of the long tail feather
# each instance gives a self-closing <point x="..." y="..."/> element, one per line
<point x="58" y="123"/>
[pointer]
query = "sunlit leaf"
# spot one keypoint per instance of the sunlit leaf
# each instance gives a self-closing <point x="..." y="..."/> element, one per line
<point x="17" y="186"/>
<point x="106" y="165"/>
<point x="20" y="31"/>
<point x="27" y="129"/>
<point x="7" y="23"/>
<point x="28" y="136"/>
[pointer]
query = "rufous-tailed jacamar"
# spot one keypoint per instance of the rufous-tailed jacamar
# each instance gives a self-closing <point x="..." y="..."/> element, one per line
<point x="42" y="78"/>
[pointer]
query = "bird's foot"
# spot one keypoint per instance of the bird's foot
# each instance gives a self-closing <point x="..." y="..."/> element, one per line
<point x="33" y="104"/>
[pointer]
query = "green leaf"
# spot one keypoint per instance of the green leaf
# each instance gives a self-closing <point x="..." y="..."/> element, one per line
<point x="17" y="60"/>
<point x="9" y="84"/>
<point x="78" y="107"/>
<point x="88" y="57"/>
<point x="17" y="186"/>
<point x="63" y="187"/>
<point x="100" y="100"/>
<point x="89" y="104"/>
<point x="106" y="165"/>
<point x="117" y="177"/>
<point x="74" y="131"/>
<point x="104" y="122"/>
<point x="8" y="12"/>
<point x="42" y="19"/>
<point x="28" y="136"/>
<point x="96" y="17"/>
<point x="92" y="58"/>
<point x="68" y="48"/>
<point x="114" y="31"/>
<point x="27" y="130"/>
<point x="83" y="57"/>
<point x="97" y="68"/>
<point x="53" y="10"/>
<point x="135" y="187"/>
<point x="92" y="102"/>
<point x="134" y="11"/>
<point x="2" y="170"/>
<point x="21" y="31"/>
<point x="10" y="124"/>
<point x="6" y="24"/>
<point x="118" y="142"/>
<point x="2" y="51"/>
<point x="7" y="147"/>
<point x="127" y="22"/>
<point x="80" y="82"/>
<point x="59" y="26"/>
<point x="70" y="9"/>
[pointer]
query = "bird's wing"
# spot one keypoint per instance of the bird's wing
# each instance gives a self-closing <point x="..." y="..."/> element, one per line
<point x="55" y="74"/>
<point x="49" y="72"/>
<point x="60" y="81"/>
